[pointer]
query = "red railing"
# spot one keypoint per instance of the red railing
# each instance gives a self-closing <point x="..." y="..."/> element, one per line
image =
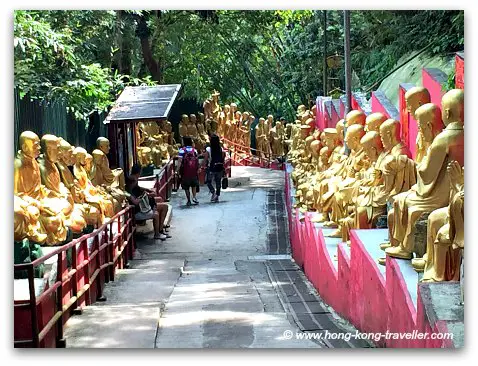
<point x="39" y="320"/>
<point x="261" y="159"/>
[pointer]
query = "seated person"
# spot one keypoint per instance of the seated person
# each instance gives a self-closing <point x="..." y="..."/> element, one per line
<point x="147" y="206"/>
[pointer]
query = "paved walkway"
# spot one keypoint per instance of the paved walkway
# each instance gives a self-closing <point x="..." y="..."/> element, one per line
<point x="224" y="280"/>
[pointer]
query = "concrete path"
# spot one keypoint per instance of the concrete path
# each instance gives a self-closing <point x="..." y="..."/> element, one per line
<point x="212" y="285"/>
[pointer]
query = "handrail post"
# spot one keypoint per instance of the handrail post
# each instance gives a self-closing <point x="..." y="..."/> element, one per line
<point x="33" y="307"/>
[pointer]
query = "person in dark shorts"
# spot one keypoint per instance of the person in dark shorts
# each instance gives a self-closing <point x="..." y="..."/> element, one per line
<point x="188" y="169"/>
<point x="214" y="164"/>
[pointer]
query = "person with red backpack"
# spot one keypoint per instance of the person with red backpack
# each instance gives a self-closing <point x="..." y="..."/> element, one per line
<point x="189" y="169"/>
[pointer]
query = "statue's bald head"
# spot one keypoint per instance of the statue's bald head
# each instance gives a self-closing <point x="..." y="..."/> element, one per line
<point x="331" y="137"/>
<point x="103" y="144"/>
<point x="29" y="143"/>
<point x="416" y="97"/>
<point x="49" y="140"/>
<point x="374" y="120"/>
<point x="80" y="155"/>
<point x="390" y="133"/>
<point x="353" y="136"/>
<point x="355" y="117"/>
<point x="372" y="144"/>
<point x="453" y="106"/>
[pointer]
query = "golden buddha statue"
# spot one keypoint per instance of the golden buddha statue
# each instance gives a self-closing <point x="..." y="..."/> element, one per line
<point x="347" y="194"/>
<point x="27" y="186"/>
<point x="74" y="214"/>
<point x="301" y="110"/>
<point x="193" y="132"/>
<point x="224" y="120"/>
<point x="259" y="136"/>
<point x="355" y="117"/>
<point x="95" y="196"/>
<point x="446" y="233"/>
<point x="144" y="156"/>
<point x="277" y="141"/>
<point x="93" y="214"/>
<point x="392" y="173"/>
<point x="430" y="126"/>
<point x="207" y="107"/>
<point x="235" y="124"/>
<point x="112" y="180"/>
<point x="432" y="189"/>
<point x="416" y="97"/>
<point x="333" y="143"/>
<point x="183" y="126"/>
<point x="374" y="121"/>
<point x="216" y="108"/>
<point x="26" y="224"/>
<point x="345" y="175"/>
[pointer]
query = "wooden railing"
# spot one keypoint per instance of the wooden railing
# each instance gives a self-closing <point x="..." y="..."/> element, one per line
<point x="38" y="320"/>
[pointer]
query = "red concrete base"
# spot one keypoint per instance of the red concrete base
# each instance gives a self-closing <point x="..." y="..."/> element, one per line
<point x="374" y="300"/>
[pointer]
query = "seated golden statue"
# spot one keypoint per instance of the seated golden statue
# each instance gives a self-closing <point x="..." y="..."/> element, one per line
<point x="432" y="189"/>
<point x="74" y="214"/>
<point x="183" y="126"/>
<point x="26" y="224"/>
<point x="393" y="173"/>
<point x="414" y="98"/>
<point x="93" y="213"/>
<point x="103" y="174"/>
<point x="27" y="186"/>
<point x="96" y="196"/>
<point x="446" y="233"/>
<point x="111" y="180"/>
<point x="343" y="172"/>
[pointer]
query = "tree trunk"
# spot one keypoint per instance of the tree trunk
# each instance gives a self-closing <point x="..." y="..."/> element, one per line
<point x="151" y="63"/>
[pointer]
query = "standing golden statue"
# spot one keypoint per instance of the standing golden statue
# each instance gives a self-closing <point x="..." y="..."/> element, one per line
<point x="27" y="186"/>
<point x="433" y="186"/>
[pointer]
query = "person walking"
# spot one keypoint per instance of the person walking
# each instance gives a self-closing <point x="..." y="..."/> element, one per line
<point x="188" y="169"/>
<point x="214" y="165"/>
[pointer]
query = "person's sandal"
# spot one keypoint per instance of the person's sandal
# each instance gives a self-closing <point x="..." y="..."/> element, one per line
<point x="161" y="236"/>
<point x="188" y="203"/>
<point x="195" y="201"/>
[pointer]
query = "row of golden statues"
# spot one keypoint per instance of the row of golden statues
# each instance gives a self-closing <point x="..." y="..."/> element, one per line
<point x="60" y="188"/>
<point x="235" y="126"/>
<point x="155" y="143"/>
<point x="377" y="177"/>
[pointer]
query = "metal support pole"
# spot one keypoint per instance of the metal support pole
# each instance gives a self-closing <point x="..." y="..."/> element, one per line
<point x="348" y="71"/>
<point x="325" y="76"/>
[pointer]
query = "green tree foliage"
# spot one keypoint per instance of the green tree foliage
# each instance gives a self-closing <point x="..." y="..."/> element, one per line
<point x="68" y="54"/>
<point x="265" y="61"/>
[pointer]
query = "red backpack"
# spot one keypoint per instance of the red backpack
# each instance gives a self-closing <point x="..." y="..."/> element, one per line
<point x="190" y="164"/>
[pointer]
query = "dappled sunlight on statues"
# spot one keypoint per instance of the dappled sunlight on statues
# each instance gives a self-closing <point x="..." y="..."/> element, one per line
<point x="433" y="187"/>
<point x="27" y="186"/>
